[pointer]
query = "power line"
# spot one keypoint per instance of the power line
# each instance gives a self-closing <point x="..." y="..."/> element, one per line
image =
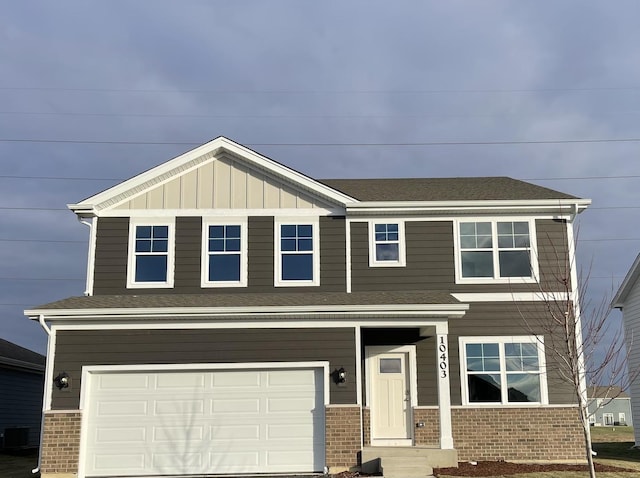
<point x="51" y="241"/>
<point x="309" y="145"/>
<point x="313" y="92"/>
<point x="68" y="178"/>
<point x="54" y="279"/>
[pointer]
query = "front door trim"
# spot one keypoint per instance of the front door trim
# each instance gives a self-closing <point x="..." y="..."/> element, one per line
<point x="412" y="382"/>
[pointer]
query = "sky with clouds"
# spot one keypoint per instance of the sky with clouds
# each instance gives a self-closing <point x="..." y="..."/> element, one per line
<point x="92" y="92"/>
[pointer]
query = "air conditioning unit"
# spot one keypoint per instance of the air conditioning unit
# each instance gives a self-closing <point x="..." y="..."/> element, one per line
<point x="17" y="437"/>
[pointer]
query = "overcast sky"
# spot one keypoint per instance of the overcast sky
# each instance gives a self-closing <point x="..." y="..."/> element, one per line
<point x="547" y="91"/>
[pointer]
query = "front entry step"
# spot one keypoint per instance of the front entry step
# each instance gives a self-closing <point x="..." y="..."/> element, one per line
<point x="406" y="462"/>
<point x="400" y="467"/>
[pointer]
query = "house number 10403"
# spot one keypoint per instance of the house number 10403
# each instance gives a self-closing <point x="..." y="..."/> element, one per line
<point x="443" y="363"/>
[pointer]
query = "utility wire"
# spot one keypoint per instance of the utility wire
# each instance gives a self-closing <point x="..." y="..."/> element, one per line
<point x="309" y="145"/>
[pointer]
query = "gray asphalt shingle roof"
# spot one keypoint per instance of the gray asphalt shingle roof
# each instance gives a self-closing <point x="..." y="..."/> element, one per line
<point x="282" y="299"/>
<point x="443" y="189"/>
<point x="11" y="351"/>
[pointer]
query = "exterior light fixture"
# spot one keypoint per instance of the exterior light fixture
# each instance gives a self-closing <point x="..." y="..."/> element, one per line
<point x="62" y="380"/>
<point x="340" y="375"/>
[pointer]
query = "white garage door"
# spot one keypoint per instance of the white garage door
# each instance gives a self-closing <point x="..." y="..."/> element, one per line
<point x="205" y="422"/>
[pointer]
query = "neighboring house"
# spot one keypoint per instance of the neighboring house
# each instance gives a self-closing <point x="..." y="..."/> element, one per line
<point x="627" y="299"/>
<point x="22" y="378"/>
<point x="241" y="317"/>
<point x="609" y="406"/>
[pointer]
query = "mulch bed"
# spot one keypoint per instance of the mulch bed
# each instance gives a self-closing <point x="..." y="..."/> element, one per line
<point x="497" y="468"/>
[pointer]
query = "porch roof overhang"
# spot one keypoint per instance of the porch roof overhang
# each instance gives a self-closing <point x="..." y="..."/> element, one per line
<point x="331" y="305"/>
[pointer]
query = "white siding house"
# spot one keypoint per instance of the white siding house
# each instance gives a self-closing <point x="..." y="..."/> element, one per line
<point x="628" y="301"/>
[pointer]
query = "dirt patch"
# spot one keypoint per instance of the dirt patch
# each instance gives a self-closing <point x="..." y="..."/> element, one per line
<point x="498" y="468"/>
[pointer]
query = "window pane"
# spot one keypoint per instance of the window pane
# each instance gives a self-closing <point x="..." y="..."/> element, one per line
<point x="392" y="236"/>
<point x="390" y="365"/>
<point x="233" y="232"/>
<point x="467" y="229"/>
<point x="233" y="245"/>
<point x="477" y="264"/>
<point x="216" y="245"/>
<point x="505" y="242"/>
<point x="381" y="236"/>
<point x="483" y="228"/>
<point x="468" y="242"/>
<point x="143" y="245"/>
<point x="161" y="232"/>
<point x="216" y="232"/>
<point x="521" y="228"/>
<point x="224" y="267"/>
<point x="514" y="264"/>
<point x="521" y="241"/>
<point x="483" y="357"/>
<point x="143" y="232"/>
<point x="151" y="268"/>
<point x="297" y="267"/>
<point x="381" y="228"/>
<point x="288" y="231"/>
<point x="387" y="252"/>
<point x="484" y="388"/>
<point x="160" y="245"/>
<point x="523" y="387"/>
<point x="305" y="244"/>
<point x="288" y="245"/>
<point x="305" y="230"/>
<point x="484" y="242"/>
<point x="505" y="228"/>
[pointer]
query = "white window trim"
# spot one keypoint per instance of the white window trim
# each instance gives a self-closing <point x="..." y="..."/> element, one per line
<point x="604" y="419"/>
<point x="532" y="339"/>
<point x="206" y="222"/>
<point x="533" y="252"/>
<point x="402" y="257"/>
<point x="315" y="225"/>
<point x="131" y="264"/>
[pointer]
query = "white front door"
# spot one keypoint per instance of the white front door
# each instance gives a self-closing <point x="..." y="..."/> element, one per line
<point x="390" y="398"/>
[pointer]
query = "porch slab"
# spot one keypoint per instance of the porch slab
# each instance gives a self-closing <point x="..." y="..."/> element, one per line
<point x="373" y="457"/>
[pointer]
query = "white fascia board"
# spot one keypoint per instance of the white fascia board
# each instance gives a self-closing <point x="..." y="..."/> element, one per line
<point x="627" y="284"/>
<point x="540" y="296"/>
<point x="21" y="364"/>
<point x="414" y="207"/>
<point x="89" y="206"/>
<point x="338" y="311"/>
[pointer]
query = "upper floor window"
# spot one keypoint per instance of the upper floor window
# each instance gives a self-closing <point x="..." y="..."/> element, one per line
<point x="225" y="254"/>
<point x="386" y="244"/>
<point x="503" y="370"/>
<point x="151" y="254"/>
<point x="297" y="256"/>
<point x="496" y="250"/>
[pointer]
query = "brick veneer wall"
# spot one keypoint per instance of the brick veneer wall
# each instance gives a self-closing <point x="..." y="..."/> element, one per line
<point x="518" y="434"/>
<point x="366" y="426"/>
<point x="60" y="443"/>
<point x="342" y="437"/>
<point x="430" y="433"/>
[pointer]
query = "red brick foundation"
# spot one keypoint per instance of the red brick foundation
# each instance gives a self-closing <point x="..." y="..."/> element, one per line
<point x="518" y="434"/>
<point x="366" y="426"/>
<point x="60" y="443"/>
<point x="342" y="437"/>
<point x="429" y="435"/>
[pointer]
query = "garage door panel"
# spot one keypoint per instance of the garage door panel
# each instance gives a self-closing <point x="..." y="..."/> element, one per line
<point x="178" y="407"/>
<point x="205" y="422"/>
<point x="121" y="408"/>
<point x="229" y="405"/>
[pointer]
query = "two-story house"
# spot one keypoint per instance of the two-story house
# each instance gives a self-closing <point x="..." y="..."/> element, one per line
<point x="241" y="317"/>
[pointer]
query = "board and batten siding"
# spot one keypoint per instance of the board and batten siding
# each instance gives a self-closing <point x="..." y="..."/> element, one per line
<point x="112" y="236"/>
<point x="21" y="402"/>
<point x="75" y="349"/>
<point x="430" y="261"/>
<point x="506" y="319"/>
<point x="221" y="183"/>
<point x="631" y="320"/>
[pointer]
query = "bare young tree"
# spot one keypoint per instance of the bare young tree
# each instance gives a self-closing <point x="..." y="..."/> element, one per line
<point x="586" y="347"/>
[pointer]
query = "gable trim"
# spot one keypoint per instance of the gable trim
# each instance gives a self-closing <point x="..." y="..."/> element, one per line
<point x="210" y="150"/>
<point x="627" y="284"/>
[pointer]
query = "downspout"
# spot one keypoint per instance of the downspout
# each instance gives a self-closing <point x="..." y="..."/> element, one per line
<point x="44" y="391"/>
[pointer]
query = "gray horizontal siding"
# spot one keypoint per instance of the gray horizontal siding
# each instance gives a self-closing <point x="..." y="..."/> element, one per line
<point x="506" y="319"/>
<point x="75" y="349"/>
<point x="112" y="235"/>
<point x="430" y="260"/>
<point x="21" y="402"/>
